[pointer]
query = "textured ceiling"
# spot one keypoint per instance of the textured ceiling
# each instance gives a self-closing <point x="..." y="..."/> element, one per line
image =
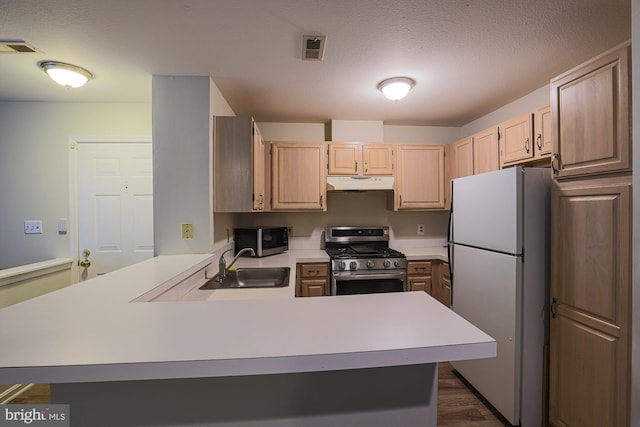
<point x="468" y="57"/>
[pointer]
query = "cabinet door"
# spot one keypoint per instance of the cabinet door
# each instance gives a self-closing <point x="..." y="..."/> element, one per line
<point x="590" y="108"/>
<point x="516" y="141"/>
<point x="485" y="151"/>
<point x="313" y="287"/>
<point x="258" y="170"/>
<point x="463" y="158"/>
<point x="378" y="159"/>
<point x="449" y="173"/>
<point x="445" y="284"/>
<point x="344" y="159"/>
<point x="298" y="176"/>
<point x="542" y="132"/>
<point x="420" y="177"/>
<point x="590" y="303"/>
<point x="420" y="283"/>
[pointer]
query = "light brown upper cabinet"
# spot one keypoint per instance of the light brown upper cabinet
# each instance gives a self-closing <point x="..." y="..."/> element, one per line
<point x="590" y="107"/>
<point x="259" y="184"/>
<point x="516" y="139"/>
<point x="240" y="179"/>
<point x="353" y="158"/>
<point x="485" y="151"/>
<point x="419" y="177"/>
<point x="458" y="163"/>
<point x="298" y="176"/>
<point x="542" y="132"/>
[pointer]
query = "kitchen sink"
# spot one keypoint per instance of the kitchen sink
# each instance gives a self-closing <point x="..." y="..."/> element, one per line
<point x="271" y="277"/>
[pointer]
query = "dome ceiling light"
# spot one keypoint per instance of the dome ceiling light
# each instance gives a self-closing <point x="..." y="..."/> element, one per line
<point x="396" y="88"/>
<point x="66" y="75"/>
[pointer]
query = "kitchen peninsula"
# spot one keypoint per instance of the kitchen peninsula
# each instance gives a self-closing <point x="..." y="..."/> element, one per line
<point x="345" y="360"/>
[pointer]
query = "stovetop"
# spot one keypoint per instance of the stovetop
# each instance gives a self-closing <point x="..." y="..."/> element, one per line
<point x="362" y="251"/>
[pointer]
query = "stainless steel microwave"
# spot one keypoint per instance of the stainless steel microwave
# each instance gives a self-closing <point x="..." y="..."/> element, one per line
<point x="263" y="240"/>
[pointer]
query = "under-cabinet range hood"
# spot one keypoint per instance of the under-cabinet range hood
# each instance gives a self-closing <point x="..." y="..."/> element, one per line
<point x="359" y="183"/>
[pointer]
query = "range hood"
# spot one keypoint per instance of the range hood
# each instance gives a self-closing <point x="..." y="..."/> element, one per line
<point x="359" y="183"/>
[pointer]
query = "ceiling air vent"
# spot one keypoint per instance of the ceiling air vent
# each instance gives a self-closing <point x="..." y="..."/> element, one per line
<point x="16" y="46"/>
<point x="313" y="48"/>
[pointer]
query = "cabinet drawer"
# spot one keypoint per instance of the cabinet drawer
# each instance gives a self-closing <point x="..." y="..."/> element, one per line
<point x="444" y="268"/>
<point x="419" y="267"/>
<point x="314" y="270"/>
<point x="422" y="283"/>
<point x="313" y="287"/>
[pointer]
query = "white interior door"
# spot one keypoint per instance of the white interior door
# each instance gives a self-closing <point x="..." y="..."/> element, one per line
<point x="115" y="205"/>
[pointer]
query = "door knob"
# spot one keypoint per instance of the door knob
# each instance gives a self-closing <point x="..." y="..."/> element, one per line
<point x="85" y="263"/>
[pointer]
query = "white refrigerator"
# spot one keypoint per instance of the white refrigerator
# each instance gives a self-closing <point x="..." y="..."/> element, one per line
<point x="498" y="246"/>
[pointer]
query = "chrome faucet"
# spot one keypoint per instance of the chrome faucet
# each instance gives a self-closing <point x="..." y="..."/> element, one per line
<point x="223" y="269"/>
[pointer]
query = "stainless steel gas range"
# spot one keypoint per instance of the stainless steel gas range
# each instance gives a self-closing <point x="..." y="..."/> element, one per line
<point x="362" y="262"/>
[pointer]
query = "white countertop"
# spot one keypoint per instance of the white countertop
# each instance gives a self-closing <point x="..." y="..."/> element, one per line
<point x="92" y="332"/>
<point x="419" y="253"/>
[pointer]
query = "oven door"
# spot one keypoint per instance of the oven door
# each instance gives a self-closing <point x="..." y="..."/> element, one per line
<point x="367" y="282"/>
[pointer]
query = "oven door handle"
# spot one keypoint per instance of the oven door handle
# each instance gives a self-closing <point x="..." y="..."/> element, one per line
<point x="370" y="276"/>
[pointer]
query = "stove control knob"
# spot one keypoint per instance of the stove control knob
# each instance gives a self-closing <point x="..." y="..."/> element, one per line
<point x="353" y="265"/>
<point x="396" y="263"/>
<point x="342" y="265"/>
<point x="370" y="264"/>
<point x="387" y="263"/>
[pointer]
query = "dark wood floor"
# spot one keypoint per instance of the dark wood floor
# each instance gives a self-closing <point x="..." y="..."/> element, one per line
<point x="458" y="405"/>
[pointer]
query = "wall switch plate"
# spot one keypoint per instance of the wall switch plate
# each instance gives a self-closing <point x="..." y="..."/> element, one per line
<point x="33" y="226"/>
<point x="62" y="226"/>
<point x="187" y="231"/>
<point x="420" y="229"/>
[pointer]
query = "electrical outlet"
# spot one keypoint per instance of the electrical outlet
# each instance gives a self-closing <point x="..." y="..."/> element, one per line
<point x="420" y="229"/>
<point x="187" y="231"/>
<point x="290" y="231"/>
<point x="33" y="227"/>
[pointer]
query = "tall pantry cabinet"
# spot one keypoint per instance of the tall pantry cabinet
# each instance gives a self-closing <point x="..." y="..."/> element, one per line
<point x="591" y="214"/>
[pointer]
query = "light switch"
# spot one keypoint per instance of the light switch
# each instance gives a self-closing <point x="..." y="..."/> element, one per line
<point x="62" y="226"/>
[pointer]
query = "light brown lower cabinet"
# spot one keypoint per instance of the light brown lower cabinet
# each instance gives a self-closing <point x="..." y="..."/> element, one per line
<point x="443" y="284"/>
<point x="312" y="279"/>
<point x="589" y="351"/>
<point x="432" y="277"/>
<point x="419" y="276"/>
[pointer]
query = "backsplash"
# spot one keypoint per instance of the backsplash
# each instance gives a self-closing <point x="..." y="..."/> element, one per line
<point x="344" y="209"/>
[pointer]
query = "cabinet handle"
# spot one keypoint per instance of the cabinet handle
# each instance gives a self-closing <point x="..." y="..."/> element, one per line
<point x="539" y="141"/>
<point x="356" y="164"/>
<point x="555" y="160"/>
<point x="401" y="200"/>
<point x="553" y="308"/>
<point x="526" y="145"/>
<point x="321" y="200"/>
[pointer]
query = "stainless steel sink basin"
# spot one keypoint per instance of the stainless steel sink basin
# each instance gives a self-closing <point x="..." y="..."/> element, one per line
<point x="276" y="277"/>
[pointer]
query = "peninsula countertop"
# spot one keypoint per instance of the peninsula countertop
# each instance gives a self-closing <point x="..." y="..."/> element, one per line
<point x="92" y="332"/>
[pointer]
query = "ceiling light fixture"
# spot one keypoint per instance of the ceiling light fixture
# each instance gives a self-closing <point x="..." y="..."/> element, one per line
<point x="66" y="75"/>
<point x="396" y="88"/>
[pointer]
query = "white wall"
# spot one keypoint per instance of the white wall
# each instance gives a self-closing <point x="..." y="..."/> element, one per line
<point x="421" y="134"/>
<point x="34" y="168"/>
<point x="529" y="102"/>
<point x="182" y="140"/>
<point x="357" y="209"/>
